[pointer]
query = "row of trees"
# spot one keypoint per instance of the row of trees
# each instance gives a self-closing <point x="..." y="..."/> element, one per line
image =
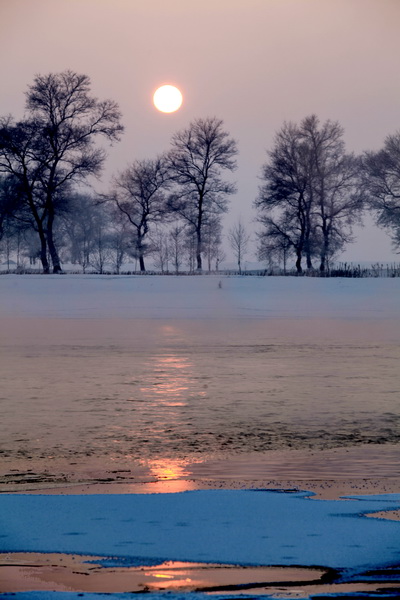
<point x="46" y="156"/>
<point x="170" y="207"/>
<point x="183" y="186"/>
<point x="95" y="234"/>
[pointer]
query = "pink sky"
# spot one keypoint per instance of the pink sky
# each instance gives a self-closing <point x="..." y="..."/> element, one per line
<point x="253" y="63"/>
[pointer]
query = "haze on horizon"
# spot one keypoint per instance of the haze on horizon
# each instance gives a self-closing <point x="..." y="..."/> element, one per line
<point x="254" y="64"/>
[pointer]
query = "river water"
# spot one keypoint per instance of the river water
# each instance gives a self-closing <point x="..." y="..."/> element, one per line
<point x="154" y="388"/>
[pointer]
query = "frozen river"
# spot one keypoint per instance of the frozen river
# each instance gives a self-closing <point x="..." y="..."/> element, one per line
<point x="153" y="367"/>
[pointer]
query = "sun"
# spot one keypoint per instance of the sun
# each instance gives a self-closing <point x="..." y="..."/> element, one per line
<point x="167" y="98"/>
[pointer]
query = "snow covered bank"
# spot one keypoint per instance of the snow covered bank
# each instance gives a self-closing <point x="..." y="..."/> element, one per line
<point x="195" y="297"/>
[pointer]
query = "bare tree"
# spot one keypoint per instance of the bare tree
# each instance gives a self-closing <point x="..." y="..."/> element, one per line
<point x="80" y="226"/>
<point x="161" y="250"/>
<point x="311" y="194"/>
<point x="190" y="249"/>
<point x="283" y="205"/>
<point x="219" y="257"/>
<point x="7" y="241"/>
<point x="101" y="253"/>
<point x="334" y="187"/>
<point x="273" y="246"/>
<point x="382" y="184"/>
<point x="31" y="246"/>
<point x="177" y="246"/>
<point x="239" y="241"/>
<point x="212" y="239"/>
<point x="198" y="156"/>
<point x="119" y="237"/>
<point x="14" y="222"/>
<point x="55" y="146"/>
<point x="8" y="202"/>
<point x="139" y="193"/>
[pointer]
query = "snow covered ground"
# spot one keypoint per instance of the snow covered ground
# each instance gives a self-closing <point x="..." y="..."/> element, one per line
<point x="198" y="297"/>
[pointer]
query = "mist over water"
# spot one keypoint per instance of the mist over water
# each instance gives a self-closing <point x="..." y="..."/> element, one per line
<point x="164" y="386"/>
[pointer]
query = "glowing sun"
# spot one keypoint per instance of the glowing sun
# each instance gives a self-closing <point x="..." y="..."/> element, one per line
<point x="167" y="98"/>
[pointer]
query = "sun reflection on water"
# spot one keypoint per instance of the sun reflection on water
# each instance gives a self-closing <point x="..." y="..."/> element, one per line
<point x="171" y="475"/>
<point x="166" y="469"/>
<point x="169" y="388"/>
<point x="171" y="381"/>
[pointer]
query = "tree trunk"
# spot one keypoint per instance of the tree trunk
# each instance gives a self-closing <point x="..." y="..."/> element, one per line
<point x="298" y="262"/>
<point x="140" y="253"/>
<point x="307" y="249"/>
<point x="325" y="245"/>
<point x="53" y="253"/>
<point x="324" y="254"/>
<point x="41" y="233"/>
<point x="50" y="243"/>
<point x="43" y="253"/>
<point x="198" y="252"/>
<point x="198" y="233"/>
<point x="322" y="264"/>
<point x="19" y="241"/>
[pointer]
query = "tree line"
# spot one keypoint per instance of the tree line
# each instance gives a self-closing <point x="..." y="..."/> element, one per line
<point x="170" y="207"/>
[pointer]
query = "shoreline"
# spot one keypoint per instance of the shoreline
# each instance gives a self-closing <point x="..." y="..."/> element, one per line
<point x="329" y="474"/>
<point x="61" y="572"/>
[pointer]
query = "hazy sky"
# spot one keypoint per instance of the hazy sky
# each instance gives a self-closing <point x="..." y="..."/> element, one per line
<point x="253" y="63"/>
